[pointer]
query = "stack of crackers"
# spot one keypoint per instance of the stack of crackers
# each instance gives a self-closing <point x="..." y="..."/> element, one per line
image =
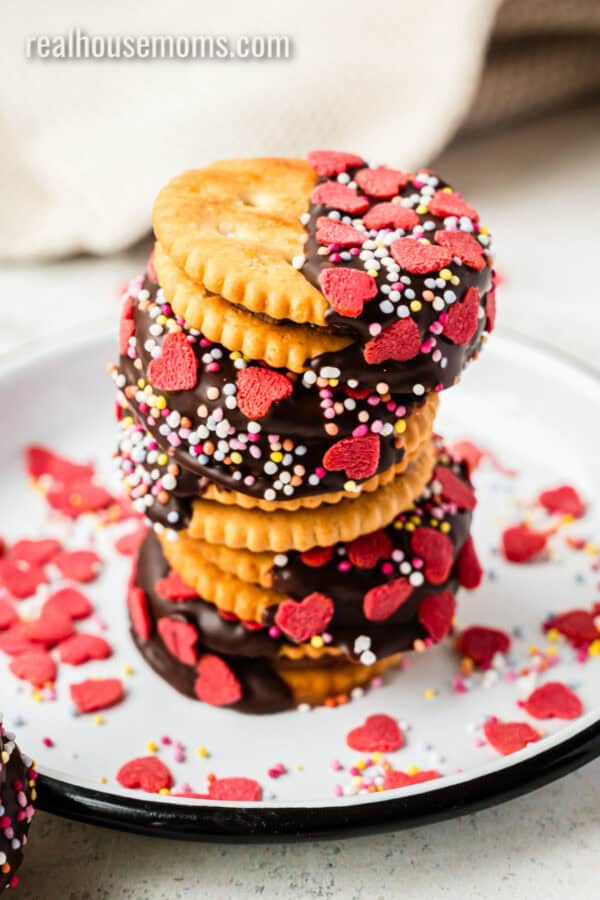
<point x="280" y="366"/>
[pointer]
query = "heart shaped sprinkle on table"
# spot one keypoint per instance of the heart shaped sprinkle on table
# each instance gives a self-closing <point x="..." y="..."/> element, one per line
<point x="521" y="544"/>
<point x="96" y="694"/>
<point x="21" y="579"/>
<point x="146" y="773"/>
<point x="79" y="565"/>
<point x="36" y="666"/>
<point x="508" y="737"/>
<point x="36" y="553"/>
<point x="379" y="732"/>
<point x="481" y="643"/>
<point x="563" y="500"/>
<point x="82" y="648"/>
<point x="239" y="789"/>
<point x="553" y="700"/>
<point x="68" y="601"/>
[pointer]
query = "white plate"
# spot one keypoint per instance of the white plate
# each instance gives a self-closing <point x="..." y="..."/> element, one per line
<point x="537" y="413"/>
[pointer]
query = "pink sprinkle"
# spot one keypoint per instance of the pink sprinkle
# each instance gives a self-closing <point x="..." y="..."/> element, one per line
<point x="174" y="440"/>
<point x="336" y="765"/>
<point x="354" y="251"/>
<point x="213" y="367"/>
<point x="335" y="258"/>
<point x="274" y="632"/>
<point x="338" y="790"/>
<point x="377" y="682"/>
<point x="479" y="742"/>
<point x="387" y="568"/>
<point x="166" y="740"/>
<point x="436" y="328"/>
<point x="320" y="472"/>
<point x="360" y="431"/>
<point x="344" y="566"/>
<point x="458" y="685"/>
<point x="47" y="742"/>
<point x="354" y="771"/>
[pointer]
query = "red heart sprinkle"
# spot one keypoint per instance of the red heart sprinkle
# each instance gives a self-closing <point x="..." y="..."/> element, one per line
<point x="463" y="317"/>
<point x="173" y="587"/>
<point x="68" y="601"/>
<point x="436" y="551"/>
<point x="381" y="182"/>
<point x="13" y="642"/>
<point x="146" y="773"/>
<point x="37" y="667"/>
<point x="150" y="269"/>
<point x="302" y="620"/>
<point x="330" y="231"/>
<point x="180" y="638"/>
<point x="553" y="700"/>
<point x="130" y="542"/>
<point x="339" y="196"/>
<point x="366" y="551"/>
<point x="454" y="489"/>
<point x="176" y="369"/>
<point x="382" y="601"/>
<point x="50" y="629"/>
<point x="216" y="683"/>
<point x="126" y="332"/>
<point x="436" y="613"/>
<point x="331" y="162"/>
<point x="391" y="215"/>
<point x="317" y="557"/>
<point x="563" y="500"/>
<point x="40" y="461"/>
<point x="77" y="498"/>
<point x="469" y="570"/>
<point x="481" y="644"/>
<point x="418" y="258"/>
<point x="138" y="612"/>
<point x="400" y="341"/>
<point x="578" y="625"/>
<point x="378" y="733"/>
<point x="469" y="453"/>
<point x="240" y="789"/>
<point x="8" y="614"/>
<point x="463" y="245"/>
<point x="347" y="290"/>
<point x="445" y="204"/>
<point x="258" y="388"/>
<point x="95" y="694"/>
<point x="508" y="737"/>
<point x="82" y="648"/>
<point x="80" y="565"/>
<point x="490" y="311"/>
<point x="520" y="543"/>
<point x="21" y="579"/>
<point x="395" y="779"/>
<point x="37" y="553"/>
<point x="357" y="456"/>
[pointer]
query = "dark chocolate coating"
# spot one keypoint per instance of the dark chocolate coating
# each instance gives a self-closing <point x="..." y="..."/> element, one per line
<point x="300" y="420"/>
<point x="16" y="802"/>
<point x="400" y="376"/>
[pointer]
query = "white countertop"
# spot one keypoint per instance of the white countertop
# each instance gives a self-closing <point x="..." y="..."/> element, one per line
<point x="538" y="187"/>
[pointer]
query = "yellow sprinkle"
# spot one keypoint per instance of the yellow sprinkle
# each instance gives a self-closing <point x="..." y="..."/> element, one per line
<point x="235" y="355"/>
<point x="376" y="756"/>
<point x="360" y="764"/>
<point x="553" y="634"/>
<point x="333" y="382"/>
<point x="447" y="190"/>
<point x="357" y="780"/>
<point x="533" y="650"/>
<point x="483" y="230"/>
<point x="163" y="459"/>
<point x="379" y="243"/>
<point x="446" y="274"/>
<point x="416" y="305"/>
<point x="127" y="670"/>
<point x="551" y="651"/>
<point x="455" y="280"/>
<point x="127" y="421"/>
<point x="434" y="523"/>
<point x="151" y="747"/>
<point x="103" y="779"/>
<point x="141" y="382"/>
<point x="203" y="752"/>
<point x="161" y="402"/>
<point x="430" y="693"/>
<point x="161" y="320"/>
<point x="445" y="526"/>
<point x="591" y="549"/>
<point x="421" y="209"/>
<point x="413" y="770"/>
<point x="351" y="487"/>
<point x="373" y="273"/>
<point x="33" y="795"/>
<point x="99" y="720"/>
<point x="400" y="426"/>
<point x="236" y="457"/>
<point x="298" y="767"/>
<point x="409" y="526"/>
<point x="277" y="456"/>
<point x="37" y="696"/>
<point x="165" y="792"/>
<point x="594" y="648"/>
<point x="316" y="641"/>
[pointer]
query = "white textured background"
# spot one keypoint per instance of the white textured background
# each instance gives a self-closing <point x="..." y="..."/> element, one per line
<point x="538" y="188"/>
